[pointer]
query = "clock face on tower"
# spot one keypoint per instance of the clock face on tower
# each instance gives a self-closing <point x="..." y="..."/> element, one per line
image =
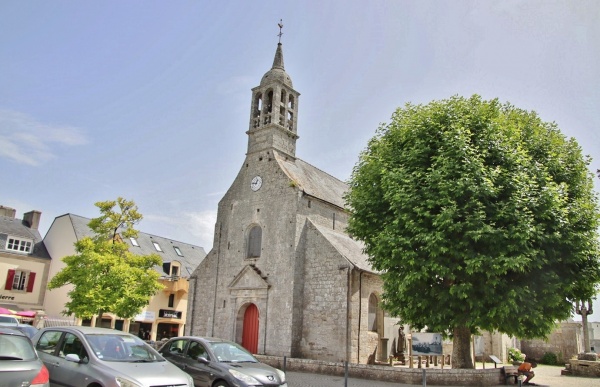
<point x="256" y="183"/>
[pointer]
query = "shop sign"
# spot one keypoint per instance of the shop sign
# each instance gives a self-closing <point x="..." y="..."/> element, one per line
<point x="146" y="316"/>
<point x="169" y="313"/>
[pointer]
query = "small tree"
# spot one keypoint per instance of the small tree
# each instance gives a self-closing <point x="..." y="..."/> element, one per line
<point x="106" y="277"/>
<point x="479" y="216"/>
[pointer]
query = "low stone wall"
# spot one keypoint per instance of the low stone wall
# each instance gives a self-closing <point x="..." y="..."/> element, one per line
<point x="437" y="377"/>
<point x="584" y="368"/>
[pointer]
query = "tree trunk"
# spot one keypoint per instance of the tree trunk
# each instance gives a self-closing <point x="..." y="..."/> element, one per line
<point x="99" y="319"/>
<point x="461" y="348"/>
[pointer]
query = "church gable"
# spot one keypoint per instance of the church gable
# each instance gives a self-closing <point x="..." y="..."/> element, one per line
<point x="249" y="278"/>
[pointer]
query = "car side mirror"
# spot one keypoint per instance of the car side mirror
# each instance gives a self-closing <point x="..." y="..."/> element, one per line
<point x="202" y="359"/>
<point x="73" y="357"/>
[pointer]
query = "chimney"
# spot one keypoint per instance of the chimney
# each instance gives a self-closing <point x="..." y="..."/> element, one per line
<point x="7" y="211"/>
<point x="32" y="219"/>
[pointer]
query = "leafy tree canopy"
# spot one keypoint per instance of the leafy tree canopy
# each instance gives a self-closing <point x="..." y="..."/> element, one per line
<point x="479" y="216"/>
<point x="106" y="277"/>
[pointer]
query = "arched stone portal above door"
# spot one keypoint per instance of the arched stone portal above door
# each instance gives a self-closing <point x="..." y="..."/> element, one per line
<point x="249" y="293"/>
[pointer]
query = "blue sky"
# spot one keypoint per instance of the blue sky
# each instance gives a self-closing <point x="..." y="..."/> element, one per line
<point x="150" y="100"/>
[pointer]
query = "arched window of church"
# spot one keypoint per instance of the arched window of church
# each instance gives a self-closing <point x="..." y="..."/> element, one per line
<point x="270" y="101"/>
<point x="257" y="108"/>
<point x="282" y="98"/>
<point x="254" y="242"/>
<point x="257" y="105"/>
<point x="268" y="108"/>
<point x="373" y="306"/>
<point x="291" y="102"/>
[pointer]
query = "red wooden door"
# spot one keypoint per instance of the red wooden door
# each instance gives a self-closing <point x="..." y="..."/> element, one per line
<point x="250" y="329"/>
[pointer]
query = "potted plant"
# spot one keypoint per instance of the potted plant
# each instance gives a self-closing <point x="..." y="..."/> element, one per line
<point x="515" y="356"/>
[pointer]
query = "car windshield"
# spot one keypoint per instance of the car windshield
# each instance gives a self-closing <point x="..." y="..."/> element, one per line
<point x="227" y="352"/>
<point x="16" y="347"/>
<point x="120" y="347"/>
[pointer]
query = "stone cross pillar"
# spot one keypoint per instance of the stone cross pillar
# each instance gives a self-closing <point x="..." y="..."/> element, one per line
<point x="584" y="311"/>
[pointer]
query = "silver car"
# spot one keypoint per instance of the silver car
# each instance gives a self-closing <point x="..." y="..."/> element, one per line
<point x="92" y="357"/>
<point x="215" y="362"/>
<point x="19" y="363"/>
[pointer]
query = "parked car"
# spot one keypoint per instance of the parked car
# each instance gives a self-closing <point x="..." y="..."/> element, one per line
<point x="8" y="320"/>
<point x="19" y="363"/>
<point x="29" y="330"/>
<point x="215" y="362"/>
<point x="85" y="356"/>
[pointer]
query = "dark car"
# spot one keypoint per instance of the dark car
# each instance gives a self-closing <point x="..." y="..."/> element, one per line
<point x="19" y="362"/>
<point x="84" y="356"/>
<point x="215" y="362"/>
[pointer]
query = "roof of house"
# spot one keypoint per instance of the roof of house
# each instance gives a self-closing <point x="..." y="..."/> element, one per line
<point x="17" y="228"/>
<point x="190" y="257"/>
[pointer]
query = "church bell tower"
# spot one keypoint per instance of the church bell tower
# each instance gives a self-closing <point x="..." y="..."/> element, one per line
<point x="274" y="111"/>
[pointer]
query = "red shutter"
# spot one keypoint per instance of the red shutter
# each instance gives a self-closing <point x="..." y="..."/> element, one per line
<point x="9" y="279"/>
<point x="30" y="282"/>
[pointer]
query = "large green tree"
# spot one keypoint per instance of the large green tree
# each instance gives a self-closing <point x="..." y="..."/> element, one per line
<point x="479" y="216"/>
<point x="105" y="275"/>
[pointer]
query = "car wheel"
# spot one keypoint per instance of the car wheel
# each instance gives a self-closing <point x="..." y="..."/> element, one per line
<point x="221" y="384"/>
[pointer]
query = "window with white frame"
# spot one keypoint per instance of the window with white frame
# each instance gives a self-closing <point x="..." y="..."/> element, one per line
<point x="18" y="244"/>
<point x="157" y="246"/>
<point x="134" y="242"/>
<point x="20" y="280"/>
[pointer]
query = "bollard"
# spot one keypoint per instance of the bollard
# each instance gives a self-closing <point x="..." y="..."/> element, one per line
<point x="284" y="363"/>
<point x="345" y="374"/>
<point x="424" y="378"/>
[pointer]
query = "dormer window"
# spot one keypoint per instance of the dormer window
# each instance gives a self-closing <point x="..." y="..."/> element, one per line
<point x="134" y="242"/>
<point x="172" y="270"/>
<point x="19" y="245"/>
<point x="157" y="246"/>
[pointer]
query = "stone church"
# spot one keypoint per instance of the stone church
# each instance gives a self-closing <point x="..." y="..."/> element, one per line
<point x="283" y="278"/>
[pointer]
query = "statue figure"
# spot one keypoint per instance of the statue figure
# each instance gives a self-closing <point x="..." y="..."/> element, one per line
<point x="401" y="344"/>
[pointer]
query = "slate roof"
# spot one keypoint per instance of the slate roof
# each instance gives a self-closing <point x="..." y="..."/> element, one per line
<point x="313" y="181"/>
<point x="349" y="248"/>
<point x="192" y="255"/>
<point x="15" y="227"/>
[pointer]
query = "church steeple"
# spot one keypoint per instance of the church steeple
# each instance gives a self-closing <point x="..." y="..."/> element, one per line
<point x="273" y="113"/>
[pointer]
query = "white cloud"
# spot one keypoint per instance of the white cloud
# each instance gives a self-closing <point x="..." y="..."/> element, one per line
<point x="199" y="226"/>
<point x="27" y="141"/>
<point x="202" y="225"/>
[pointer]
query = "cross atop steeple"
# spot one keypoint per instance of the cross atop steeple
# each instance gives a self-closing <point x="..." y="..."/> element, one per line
<point x="280" y="24"/>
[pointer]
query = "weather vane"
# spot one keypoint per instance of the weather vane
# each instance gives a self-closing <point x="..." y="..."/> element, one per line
<point x="280" y="24"/>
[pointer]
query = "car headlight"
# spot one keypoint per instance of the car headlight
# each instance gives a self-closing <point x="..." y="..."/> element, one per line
<point x="243" y="377"/>
<point x="281" y="375"/>
<point x="122" y="382"/>
<point x="190" y="381"/>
